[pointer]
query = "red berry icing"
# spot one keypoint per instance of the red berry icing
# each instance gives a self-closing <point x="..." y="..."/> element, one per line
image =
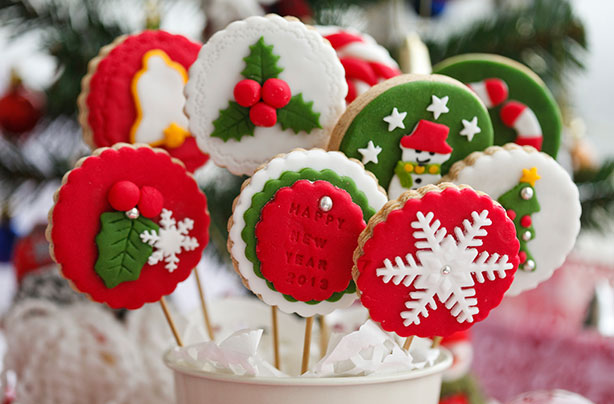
<point x="276" y="93"/>
<point x="306" y="250"/>
<point x="446" y="263"/>
<point x="247" y="92"/>
<point x="151" y="202"/>
<point x="525" y="221"/>
<point x="124" y="195"/>
<point x="523" y="256"/>
<point x="262" y="114"/>
<point x="511" y="214"/>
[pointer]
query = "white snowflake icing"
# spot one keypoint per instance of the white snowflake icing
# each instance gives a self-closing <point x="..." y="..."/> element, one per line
<point x="447" y="267"/>
<point x="395" y="119"/>
<point x="169" y="240"/>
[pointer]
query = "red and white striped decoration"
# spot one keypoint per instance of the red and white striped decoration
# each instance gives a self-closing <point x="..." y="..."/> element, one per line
<point x="492" y="92"/>
<point x="517" y="115"/>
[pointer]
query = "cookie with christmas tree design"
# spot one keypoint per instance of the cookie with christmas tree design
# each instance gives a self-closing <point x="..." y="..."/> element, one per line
<point x="133" y="93"/>
<point x="410" y="129"/>
<point x="264" y="86"/>
<point x="129" y="223"/>
<point x="295" y="226"/>
<point x="521" y="107"/>
<point x="539" y="197"/>
<point x="435" y="261"/>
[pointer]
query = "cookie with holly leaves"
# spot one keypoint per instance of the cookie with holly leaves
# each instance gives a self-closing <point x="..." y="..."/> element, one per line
<point x="133" y="93"/>
<point x="295" y="226"/>
<point x="366" y="63"/>
<point x="521" y="107"/>
<point x="129" y="223"/>
<point x="435" y="261"/>
<point x="264" y="86"/>
<point x="538" y="195"/>
<point x="410" y="129"/>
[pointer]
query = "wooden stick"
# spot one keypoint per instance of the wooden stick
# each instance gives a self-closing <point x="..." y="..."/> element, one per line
<point x="307" y="344"/>
<point x="323" y="335"/>
<point x="171" y="323"/>
<point x="275" y="337"/>
<point x="436" y="342"/>
<point x="407" y="343"/>
<point x="203" y="305"/>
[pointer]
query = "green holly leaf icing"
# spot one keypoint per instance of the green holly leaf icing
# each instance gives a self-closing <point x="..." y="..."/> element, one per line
<point x="233" y="123"/>
<point x="298" y="115"/>
<point x="261" y="63"/>
<point x="121" y="253"/>
<point x="252" y="215"/>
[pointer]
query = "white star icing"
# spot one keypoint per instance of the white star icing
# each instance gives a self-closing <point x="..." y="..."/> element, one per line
<point x="438" y="106"/>
<point x="395" y="120"/>
<point x="470" y="128"/>
<point x="370" y="152"/>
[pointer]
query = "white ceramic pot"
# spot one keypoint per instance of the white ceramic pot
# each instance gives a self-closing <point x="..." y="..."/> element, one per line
<point x="414" y="387"/>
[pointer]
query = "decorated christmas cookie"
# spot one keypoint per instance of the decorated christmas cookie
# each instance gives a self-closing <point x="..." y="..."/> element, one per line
<point x="133" y="93"/>
<point x="521" y="108"/>
<point x="295" y="226"/>
<point x="410" y="129"/>
<point x="435" y="261"/>
<point x="538" y="195"/>
<point x="264" y="86"/>
<point x="128" y="224"/>
<point x="366" y="63"/>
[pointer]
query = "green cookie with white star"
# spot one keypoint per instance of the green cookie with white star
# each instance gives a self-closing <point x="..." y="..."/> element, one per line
<point x="409" y="130"/>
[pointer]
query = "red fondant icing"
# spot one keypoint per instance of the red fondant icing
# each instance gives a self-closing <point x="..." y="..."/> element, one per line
<point x="428" y="136"/>
<point x="530" y="141"/>
<point x="511" y="214"/>
<point x="497" y="91"/>
<point x="82" y="199"/>
<point x="522" y="256"/>
<point x="395" y="237"/>
<point x="525" y="221"/>
<point x="511" y="111"/>
<point x="124" y="195"/>
<point x="151" y="202"/>
<point x="262" y="114"/>
<point x="341" y="39"/>
<point x="247" y="92"/>
<point x="276" y="93"/>
<point x="111" y="109"/>
<point x="359" y="70"/>
<point x="306" y="252"/>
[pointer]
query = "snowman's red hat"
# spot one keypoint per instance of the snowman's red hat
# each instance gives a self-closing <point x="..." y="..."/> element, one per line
<point x="428" y="136"/>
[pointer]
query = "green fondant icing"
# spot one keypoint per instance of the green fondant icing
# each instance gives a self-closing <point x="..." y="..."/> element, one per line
<point x="261" y="63"/>
<point x="252" y="215"/>
<point x="121" y="253"/>
<point x="413" y="98"/>
<point x="522" y="87"/>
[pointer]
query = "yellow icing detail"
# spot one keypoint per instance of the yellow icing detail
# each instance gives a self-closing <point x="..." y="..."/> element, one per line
<point x="530" y="176"/>
<point x="408" y="168"/>
<point x="420" y="169"/>
<point x="174" y="135"/>
<point x="139" y="111"/>
<point x="433" y="170"/>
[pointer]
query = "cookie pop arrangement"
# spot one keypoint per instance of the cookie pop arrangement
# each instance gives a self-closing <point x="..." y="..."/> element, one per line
<point x="365" y="187"/>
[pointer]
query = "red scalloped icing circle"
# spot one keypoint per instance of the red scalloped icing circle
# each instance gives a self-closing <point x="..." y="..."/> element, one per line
<point x="394" y="237"/>
<point x="76" y="222"/>
<point x="111" y="109"/>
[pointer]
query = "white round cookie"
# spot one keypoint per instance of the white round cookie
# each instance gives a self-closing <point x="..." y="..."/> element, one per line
<point x="498" y="169"/>
<point x="297" y="160"/>
<point x="310" y="66"/>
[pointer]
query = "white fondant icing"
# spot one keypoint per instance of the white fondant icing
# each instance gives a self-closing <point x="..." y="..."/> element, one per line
<point x="395" y="119"/>
<point x="438" y="106"/>
<point x="470" y="128"/>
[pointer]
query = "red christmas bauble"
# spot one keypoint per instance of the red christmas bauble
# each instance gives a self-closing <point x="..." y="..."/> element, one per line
<point x="262" y="114"/>
<point x="276" y="93"/>
<point x="20" y="110"/>
<point x="247" y="92"/>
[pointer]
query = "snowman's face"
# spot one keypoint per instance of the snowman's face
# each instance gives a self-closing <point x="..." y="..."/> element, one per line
<point x="424" y="157"/>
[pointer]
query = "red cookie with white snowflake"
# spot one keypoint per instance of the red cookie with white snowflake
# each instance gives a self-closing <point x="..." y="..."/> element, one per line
<point x="133" y="93"/>
<point x="366" y="63"/>
<point x="261" y="87"/>
<point x="129" y="223"/>
<point x="435" y="261"/>
<point x="295" y="227"/>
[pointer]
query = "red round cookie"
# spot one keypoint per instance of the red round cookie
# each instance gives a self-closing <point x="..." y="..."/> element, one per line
<point x="75" y="222"/>
<point x="110" y="105"/>
<point x="438" y="264"/>
<point x="306" y="237"/>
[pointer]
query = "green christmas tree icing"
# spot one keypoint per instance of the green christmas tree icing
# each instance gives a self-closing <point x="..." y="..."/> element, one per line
<point x="121" y="253"/>
<point x="520" y="202"/>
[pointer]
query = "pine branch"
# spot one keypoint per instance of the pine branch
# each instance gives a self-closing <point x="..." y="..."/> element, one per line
<point x="596" y="188"/>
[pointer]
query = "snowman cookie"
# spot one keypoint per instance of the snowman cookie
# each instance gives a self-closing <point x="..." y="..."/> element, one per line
<point x="366" y="63"/>
<point x="410" y="129"/>
<point x="435" y="261"/>
<point x="295" y="226"/>
<point x="129" y="223"/>
<point x="521" y="107"/>
<point x="538" y="195"/>
<point x="264" y="86"/>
